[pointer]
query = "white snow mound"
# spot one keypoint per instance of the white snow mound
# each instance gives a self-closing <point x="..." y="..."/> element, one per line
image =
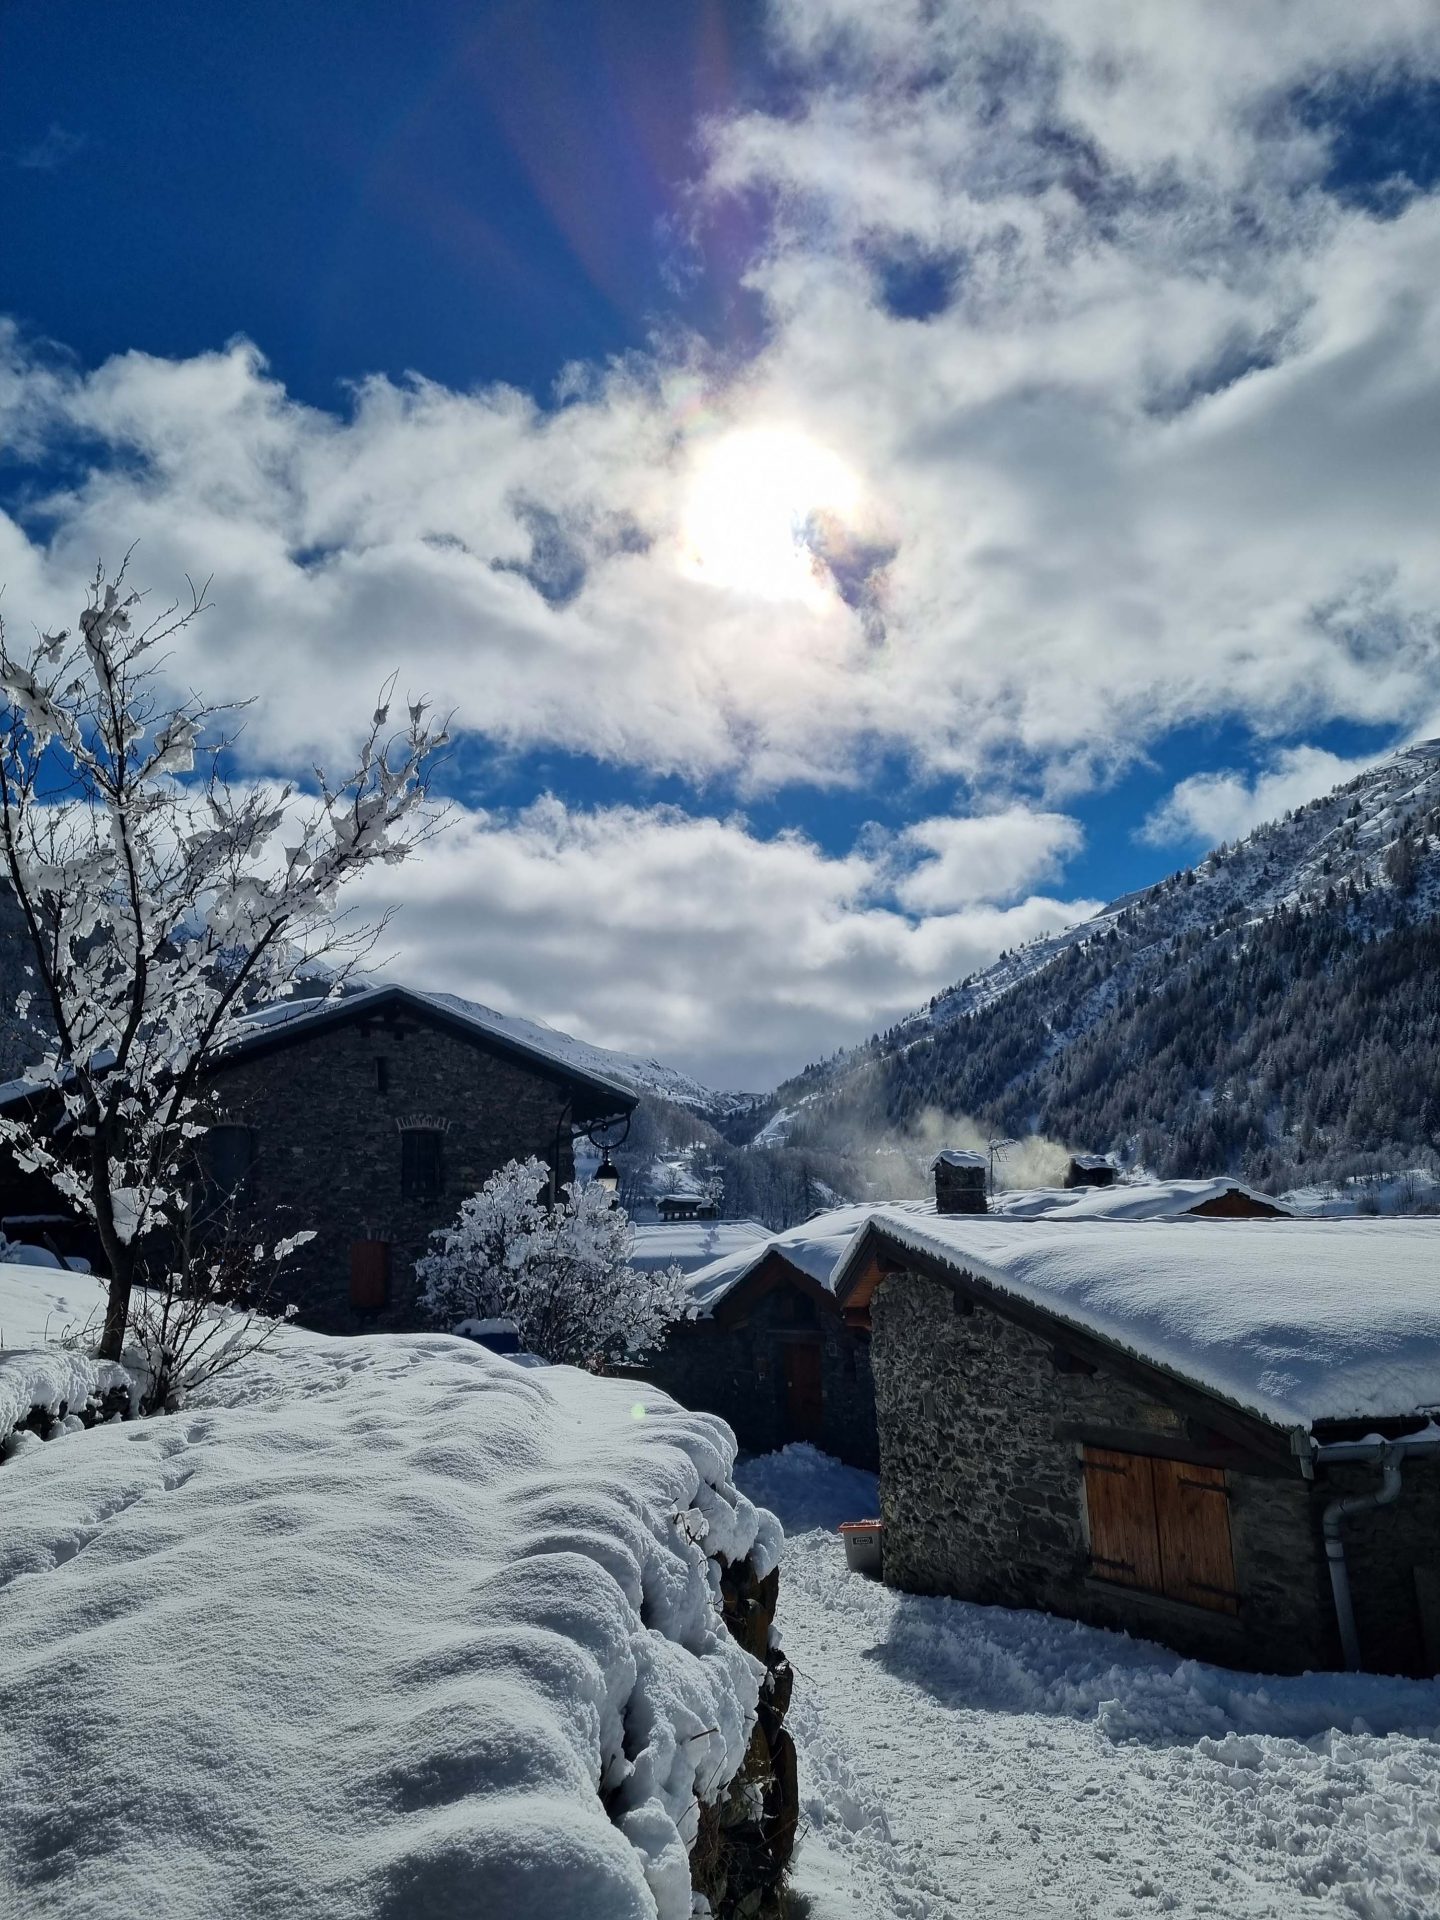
<point x="400" y="1628"/>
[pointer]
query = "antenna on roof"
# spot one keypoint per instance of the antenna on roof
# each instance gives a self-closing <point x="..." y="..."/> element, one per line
<point x="997" y="1150"/>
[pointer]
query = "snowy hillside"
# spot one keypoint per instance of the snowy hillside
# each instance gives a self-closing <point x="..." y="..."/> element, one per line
<point x="1195" y="993"/>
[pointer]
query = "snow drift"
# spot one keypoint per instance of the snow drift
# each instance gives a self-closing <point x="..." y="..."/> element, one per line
<point x="400" y="1628"/>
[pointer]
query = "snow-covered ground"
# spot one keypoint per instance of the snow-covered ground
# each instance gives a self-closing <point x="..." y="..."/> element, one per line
<point x="368" y="1631"/>
<point x="965" y="1761"/>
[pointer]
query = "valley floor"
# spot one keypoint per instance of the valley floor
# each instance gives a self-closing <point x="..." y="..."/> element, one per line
<point x="959" y="1760"/>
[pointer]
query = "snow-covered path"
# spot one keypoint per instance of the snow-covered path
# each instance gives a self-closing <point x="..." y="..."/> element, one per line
<point x="959" y="1760"/>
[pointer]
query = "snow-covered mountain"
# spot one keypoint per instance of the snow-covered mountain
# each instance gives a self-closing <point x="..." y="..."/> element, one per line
<point x="1193" y="1007"/>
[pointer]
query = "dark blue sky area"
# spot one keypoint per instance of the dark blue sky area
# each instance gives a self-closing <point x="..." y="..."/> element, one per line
<point x="477" y="191"/>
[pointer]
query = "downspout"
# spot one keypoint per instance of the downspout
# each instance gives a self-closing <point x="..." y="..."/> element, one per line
<point x="1390" y="1458"/>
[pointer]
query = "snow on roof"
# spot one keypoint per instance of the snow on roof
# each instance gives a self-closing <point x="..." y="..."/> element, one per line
<point x="691" y="1244"/>
<point x="427" y="1624"/>
<point x="957" y="1157"/>
<point x="1131" y="1200"/>
<point x="1091" y="1162"/>
<point x="1302" y="1321"/>
<point x="531" y="1037"/>
<point x="815" y="1247"/>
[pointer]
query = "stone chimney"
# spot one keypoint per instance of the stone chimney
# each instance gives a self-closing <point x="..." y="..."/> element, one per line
<point x="1089" y="1170"/>
<point x="959" y="1181"/>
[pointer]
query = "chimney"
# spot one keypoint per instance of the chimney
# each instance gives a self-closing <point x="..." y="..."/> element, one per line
<point x="959" y="1181"/>
<point x="1089" y="1170"/>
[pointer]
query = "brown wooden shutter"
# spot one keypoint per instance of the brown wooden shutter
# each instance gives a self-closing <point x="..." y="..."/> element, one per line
<point x="1192" y="1513"/>
<point x="369" y="1275"/>
<point x="1124" y="1544"/>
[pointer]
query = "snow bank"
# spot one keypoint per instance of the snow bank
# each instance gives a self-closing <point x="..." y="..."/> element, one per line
<point x="1297" y="1320"/>
<point x="38" y="1301"/>
<point x="398" y="1628"/>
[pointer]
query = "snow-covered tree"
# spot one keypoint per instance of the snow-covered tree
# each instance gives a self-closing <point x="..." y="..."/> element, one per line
<point x="161" y="901"/>
<point x="561" y="1272"/>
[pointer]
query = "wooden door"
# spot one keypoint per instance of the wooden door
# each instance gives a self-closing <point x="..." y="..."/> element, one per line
<point x="369" y="1275"/>
<point x="1192" y="1516"/>
<point x="804" y="1398"/>
<point x="1124" y="1544"/>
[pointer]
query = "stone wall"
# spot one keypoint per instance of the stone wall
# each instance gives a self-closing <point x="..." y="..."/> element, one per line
<point x="982" y="1494"/>
<point x="739" y="1373"/>
<point x="328" y="1148"/>
<point x="746" y="1838"/>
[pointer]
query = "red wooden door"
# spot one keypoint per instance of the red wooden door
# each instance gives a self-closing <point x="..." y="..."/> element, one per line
<point x="804" y="1399"/>
<point x="369" y="1275"/>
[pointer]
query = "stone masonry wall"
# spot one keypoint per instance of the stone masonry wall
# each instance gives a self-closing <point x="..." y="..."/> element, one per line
<point x="739" y="1373"/>
<point x="328" y="1148"/>
<point x="983" y="1497"/>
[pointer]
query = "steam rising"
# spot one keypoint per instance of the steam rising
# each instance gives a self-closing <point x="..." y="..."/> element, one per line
<point x="900" y="1162"/>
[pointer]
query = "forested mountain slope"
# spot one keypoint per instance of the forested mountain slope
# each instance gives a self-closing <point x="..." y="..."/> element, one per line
<point x="1273" y="1012"/>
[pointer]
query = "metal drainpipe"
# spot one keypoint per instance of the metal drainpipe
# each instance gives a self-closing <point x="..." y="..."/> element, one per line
<point x="1335" y="1513"/>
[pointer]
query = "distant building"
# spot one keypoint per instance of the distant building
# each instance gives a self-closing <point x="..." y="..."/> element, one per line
<point x="687" y="1206"/>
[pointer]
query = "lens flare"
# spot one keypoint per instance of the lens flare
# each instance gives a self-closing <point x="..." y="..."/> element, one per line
<point x="757" y="501"/>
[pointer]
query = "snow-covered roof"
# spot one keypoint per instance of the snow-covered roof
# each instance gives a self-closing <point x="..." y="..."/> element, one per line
<point x="957" y="1157"/>
<point x="691" y="1244"/>
<point x="814" y="1247"/>
<point x="479" y="1668"/>
<point x="1131" y="1200"/>
<point x="1091" y="1162"/>
<point x="1305" y="1321"/>
<point x="531" y="1039"/>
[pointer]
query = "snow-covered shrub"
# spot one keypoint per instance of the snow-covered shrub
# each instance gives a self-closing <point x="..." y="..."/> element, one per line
<point x="160" y="902"/>
<point x="561" y="1272"/>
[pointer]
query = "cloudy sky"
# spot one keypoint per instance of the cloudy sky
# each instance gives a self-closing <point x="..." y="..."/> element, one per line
<point x="873" y="481"/>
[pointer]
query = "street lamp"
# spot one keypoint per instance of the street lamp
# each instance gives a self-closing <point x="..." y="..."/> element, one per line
<point x="607" y="1175"/>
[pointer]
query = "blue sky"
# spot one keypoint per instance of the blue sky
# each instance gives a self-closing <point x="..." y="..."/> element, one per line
<point x="1097" y="367"/>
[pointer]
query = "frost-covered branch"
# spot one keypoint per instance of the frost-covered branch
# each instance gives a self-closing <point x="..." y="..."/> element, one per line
<point x="162" y="902"/>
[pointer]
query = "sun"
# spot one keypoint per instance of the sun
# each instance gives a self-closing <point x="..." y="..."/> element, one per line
<point x="757" y="500"/>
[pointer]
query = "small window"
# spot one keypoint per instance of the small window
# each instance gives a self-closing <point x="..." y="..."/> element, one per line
<point x="1162" y="1526"/>
<point x="230" y="1162"/>
<point x="422" y="1167"/>
<point x="382" y="1076"/>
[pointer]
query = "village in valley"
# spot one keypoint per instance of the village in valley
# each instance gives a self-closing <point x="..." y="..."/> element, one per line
<point x="720" y="965"/>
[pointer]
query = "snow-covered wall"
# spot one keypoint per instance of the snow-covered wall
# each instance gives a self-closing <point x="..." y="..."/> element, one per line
<point x="398" y="1628"/>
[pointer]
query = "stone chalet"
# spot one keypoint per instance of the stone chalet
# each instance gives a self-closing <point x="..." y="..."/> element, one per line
<point x="369" y="1119"/>
<point x="1215" y="1433"/>
<point x="770" y="1351"/>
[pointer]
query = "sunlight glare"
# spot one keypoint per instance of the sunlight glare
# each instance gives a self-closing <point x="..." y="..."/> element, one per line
<point x="755" y="500"/>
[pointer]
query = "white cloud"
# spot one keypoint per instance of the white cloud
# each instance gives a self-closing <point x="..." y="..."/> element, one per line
<point x="1211" y="807"/>
<point x="989" y="856"/>
<point x="1165" y="455"/>
<point x="685" y="938"/>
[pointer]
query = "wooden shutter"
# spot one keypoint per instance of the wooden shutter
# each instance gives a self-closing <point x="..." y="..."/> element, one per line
<point x="1192" y="1514"/>
<point x="1124" y="1544"/>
